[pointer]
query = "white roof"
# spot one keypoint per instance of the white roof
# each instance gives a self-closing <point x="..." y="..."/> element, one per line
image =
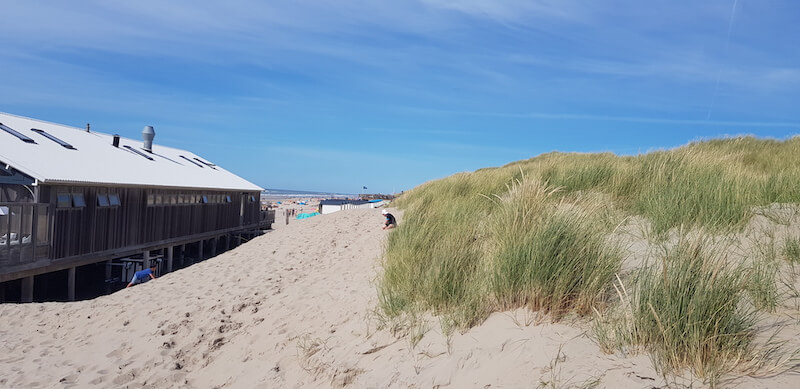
<point x="97" y="161"/>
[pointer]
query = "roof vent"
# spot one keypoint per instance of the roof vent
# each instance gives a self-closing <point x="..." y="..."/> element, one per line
<point x="148" y="134"/>
<point x="115" y="141"/>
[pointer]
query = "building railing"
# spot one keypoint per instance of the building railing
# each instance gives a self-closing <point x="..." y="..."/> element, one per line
<point x="266" y="219"/>
<point x="24" y="233"/>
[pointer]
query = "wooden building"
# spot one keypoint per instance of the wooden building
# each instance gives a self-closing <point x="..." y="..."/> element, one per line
<point x="71" y="197"/>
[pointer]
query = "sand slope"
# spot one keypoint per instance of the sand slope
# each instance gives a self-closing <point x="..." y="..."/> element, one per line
<point x="292" y="308"/>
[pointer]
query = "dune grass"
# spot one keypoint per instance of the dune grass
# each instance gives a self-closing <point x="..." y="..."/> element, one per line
<point x="549" y="256"/>
<point x="791" y="249"/>
<point x="537" y="233"/>
<point x="688" y="311"/>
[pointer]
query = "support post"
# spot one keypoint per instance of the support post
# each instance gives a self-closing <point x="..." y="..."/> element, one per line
<point x="169" y="259"/>
<point x="108" y="268"/>
<point x="227" y="242"/>
<point x="182" y="254"/>
<point x="26" y="295"/>
<point x="200" y="250"/>
<point x="146" y="261"/>
<point x="2" y="292"/>
<point x="71" y="284"/>
<point x="214" y="246"/>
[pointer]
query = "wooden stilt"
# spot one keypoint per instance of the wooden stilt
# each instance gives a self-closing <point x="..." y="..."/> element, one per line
<point x="71" y="284"/>
<point x="169" y="259"/>
<point x="146" y="261"/>
<point x="109" y="266"/>
<point x="26" y="295"/>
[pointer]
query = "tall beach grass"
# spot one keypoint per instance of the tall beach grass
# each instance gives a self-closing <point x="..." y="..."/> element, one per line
<point x="537" y="233"/>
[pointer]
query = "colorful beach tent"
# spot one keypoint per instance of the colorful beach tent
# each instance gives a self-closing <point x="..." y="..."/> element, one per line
<point x="375" y="201"/>
<point x="307" y="215"/>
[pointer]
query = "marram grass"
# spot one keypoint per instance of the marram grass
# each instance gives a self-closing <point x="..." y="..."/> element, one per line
<point x="536" y="233"/>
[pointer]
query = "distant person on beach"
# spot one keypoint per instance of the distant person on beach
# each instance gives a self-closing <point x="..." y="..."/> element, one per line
<point x="142" y="276"/>
<point x="390" y="220"/>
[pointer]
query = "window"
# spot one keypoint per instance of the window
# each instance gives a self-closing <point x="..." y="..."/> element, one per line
<point x="204" y="199"/>
<point x="173" y="199"/>
<point x="159" y="200"/>
<point x="195" y="163"/>
<point x="227" y="199"/>
<point x="53" y="138"/>
<point x="252" y="199"/>
<point x="151" y="199"/>
<point x="102" y="200"/>
<point x="113" y="200"/>
<point x="78" y="200"/>
<point x="63" y="200"/>
<point x="17" y="134"/>
<point x="211" y="165"/>
<point x="138" y="152"/>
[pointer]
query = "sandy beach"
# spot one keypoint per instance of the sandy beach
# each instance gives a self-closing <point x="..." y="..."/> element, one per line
<point x="295" y="308"/>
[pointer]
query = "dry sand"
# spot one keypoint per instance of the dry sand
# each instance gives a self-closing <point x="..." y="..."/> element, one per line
<point x="293" y="308"/>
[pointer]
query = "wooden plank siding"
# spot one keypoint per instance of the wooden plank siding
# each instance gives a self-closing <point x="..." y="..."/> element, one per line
<point x="143" y="216"/>
<point x="144" y="219"/>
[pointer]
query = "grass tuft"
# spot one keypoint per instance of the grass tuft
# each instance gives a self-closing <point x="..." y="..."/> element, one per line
<point x="538" y="233"/>
<point x="791" y="249"/>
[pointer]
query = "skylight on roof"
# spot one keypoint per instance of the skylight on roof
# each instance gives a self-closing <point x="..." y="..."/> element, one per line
<point x="17" y="134"/>
<point x="138" y="152"/>
<point x="198" y="165"/>
<point x="209" y="164"/>
<point x="53" y="138"/>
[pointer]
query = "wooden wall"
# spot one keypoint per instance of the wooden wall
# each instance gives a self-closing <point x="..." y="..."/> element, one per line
<point x="143" y="216"/>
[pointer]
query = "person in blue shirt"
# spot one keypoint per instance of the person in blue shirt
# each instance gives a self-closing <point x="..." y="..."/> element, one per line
<point x="390" y="222"/>
<point x="143" y="276"/>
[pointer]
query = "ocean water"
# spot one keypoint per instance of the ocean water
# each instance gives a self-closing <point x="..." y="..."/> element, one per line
<point x="285" y="194"/>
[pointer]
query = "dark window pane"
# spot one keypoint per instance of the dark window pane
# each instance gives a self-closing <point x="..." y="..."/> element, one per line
<point x="205" y="199"/>
<point x="17" y="134"/>
<point x="227" y="199"/>
<point x="138" y="152"/>
<point x="78" y="200"/>
<point x="113" y="200"/>
<point x="195" y="163"/>
<point x="53" y="138"/>
<point x="211" y="165"/>
<point x="64" y="200"/>
<point x="102" y="200"/>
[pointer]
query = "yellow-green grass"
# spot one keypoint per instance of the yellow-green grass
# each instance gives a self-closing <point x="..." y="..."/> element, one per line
<point x="537" y="233"/>
<point x="791" y="249"/>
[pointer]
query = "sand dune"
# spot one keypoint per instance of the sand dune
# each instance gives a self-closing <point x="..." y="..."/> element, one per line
<point x="292" y="308"/>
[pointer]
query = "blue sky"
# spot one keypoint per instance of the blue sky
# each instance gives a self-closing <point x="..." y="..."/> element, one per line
<point x="333" y="95"/>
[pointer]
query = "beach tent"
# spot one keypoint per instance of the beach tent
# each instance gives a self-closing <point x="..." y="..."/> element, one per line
<point x="307" y="215"/>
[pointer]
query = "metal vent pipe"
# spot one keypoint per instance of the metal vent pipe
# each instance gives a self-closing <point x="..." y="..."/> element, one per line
<point x="148" y="134"/>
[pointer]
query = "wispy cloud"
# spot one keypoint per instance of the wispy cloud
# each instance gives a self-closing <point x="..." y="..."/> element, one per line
<point x="434" y="76"/>
<point x="611" y="118"/>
